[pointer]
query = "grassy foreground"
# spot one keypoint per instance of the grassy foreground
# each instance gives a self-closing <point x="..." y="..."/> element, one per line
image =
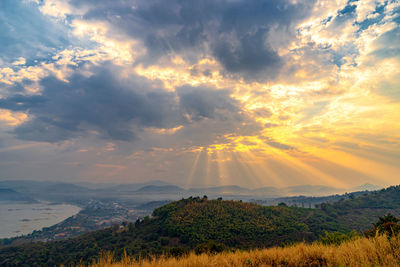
<point x="376" y="251"/>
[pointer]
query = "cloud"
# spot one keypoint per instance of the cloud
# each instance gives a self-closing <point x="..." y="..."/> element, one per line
<point x="279" y="145"/>
<point x="249" y="55"/>
<point x="237" y="33"/>
<point x="370" y="13"/>
<point x="25" y="32"/>
<point x="220" y="77"/>
<point x="388" y="44"/>
<point x="263" y="112"/>
<point x="202" y="102"/>
<point x="112" y="107"/>
<point x="99" y="103"/>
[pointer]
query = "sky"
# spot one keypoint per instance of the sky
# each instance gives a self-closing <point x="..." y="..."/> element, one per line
<point x="201" y="93"/>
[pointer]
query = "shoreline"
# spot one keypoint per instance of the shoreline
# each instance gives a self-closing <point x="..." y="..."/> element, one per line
<point x="22" y="218"/>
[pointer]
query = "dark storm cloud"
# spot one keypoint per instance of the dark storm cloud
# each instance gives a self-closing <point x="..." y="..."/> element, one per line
<point x="200" y="102"/>
<point x="113" y="107"/>
<point x="101" y="102"/>
<point x="25" y="32"/>
<point x="249" y="56"/>
<point x="236" y="33"/>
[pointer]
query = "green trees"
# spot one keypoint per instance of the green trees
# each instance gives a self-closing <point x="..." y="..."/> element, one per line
<point x="232" y="223"/>
<point x="210" y="226"/>
<point x="388" y="224"/>
<point x="194" y="223"/>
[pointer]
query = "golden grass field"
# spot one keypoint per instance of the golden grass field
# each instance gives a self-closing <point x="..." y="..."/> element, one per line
<point x="377" y="251"/>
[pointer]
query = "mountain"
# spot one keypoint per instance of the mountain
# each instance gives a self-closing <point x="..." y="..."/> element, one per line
<point x="227" y="189"/>
<point x="269" y="191"/>
<point x="52" y="191"/>
<point x="366" y="187"/>
<point x="134" y="186"/>
<point x="7" y="194"/>
<point x="273" y="192"/>
<point x="168" y="189"/>
<point x="24" y="186"/>
<point x="63" y="188"/>
<point x="316" y="190"/>
<point x="91" y="190"/>
<point x="362" y="208"/>
<point x="42" y="187"/>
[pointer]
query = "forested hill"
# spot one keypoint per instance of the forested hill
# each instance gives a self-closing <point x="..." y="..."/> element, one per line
<point x="200" y="224"/>
<point x="239" y="224"/>
<point x="193" y="223"/>
<point x="359" y="212"/>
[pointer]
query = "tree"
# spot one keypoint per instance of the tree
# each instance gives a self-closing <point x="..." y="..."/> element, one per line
<point x="387" y="224"/>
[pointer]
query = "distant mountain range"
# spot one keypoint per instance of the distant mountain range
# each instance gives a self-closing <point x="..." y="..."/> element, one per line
<point x="7" y="194"/>
<point x="29" y="186"/>
<point x="129" y="187"/>
<point x="307" y="190"/>
<point x="169" y="189"/>
<point x="60" y="191"/>
<point x="366" y="187"/>
<point x="227" y="189"/>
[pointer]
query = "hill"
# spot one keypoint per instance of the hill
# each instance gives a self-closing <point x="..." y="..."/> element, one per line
<point x="50" y="189"/>
<point x="202" y="225"/>
<point x="130" y="187"/>
<point x="170" y="189"/>
<point x="7" y="194"/>
<point x="359" y="211"/>
<point x="366" y="186"/>
<point x="182" y="226"/>
<point x="42" y="187"/>
<point x="228" y="189"/>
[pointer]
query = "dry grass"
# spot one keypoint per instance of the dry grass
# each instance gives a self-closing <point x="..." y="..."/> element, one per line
<point x="378" y="251"/>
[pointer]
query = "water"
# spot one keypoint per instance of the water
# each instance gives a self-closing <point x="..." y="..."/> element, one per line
<point x="20" y="219"/>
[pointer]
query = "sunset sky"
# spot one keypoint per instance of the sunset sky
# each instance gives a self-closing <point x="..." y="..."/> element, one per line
<point x="212" y="92"/>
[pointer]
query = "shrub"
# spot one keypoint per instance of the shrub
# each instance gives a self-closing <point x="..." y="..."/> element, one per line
<point x="337" y="238"/>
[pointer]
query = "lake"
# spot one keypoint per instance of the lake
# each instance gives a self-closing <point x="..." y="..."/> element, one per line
<point x="20" y="219"/>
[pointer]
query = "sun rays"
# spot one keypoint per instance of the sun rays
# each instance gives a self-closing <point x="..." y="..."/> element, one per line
<point x="219" y="98"/>
<point x="254" y="162"/>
